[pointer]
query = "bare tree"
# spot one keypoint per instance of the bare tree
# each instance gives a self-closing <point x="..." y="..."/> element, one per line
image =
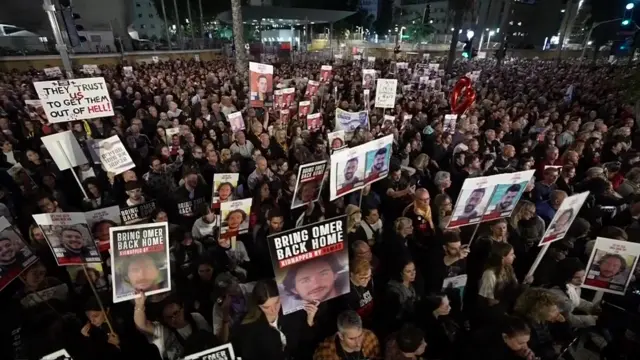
<point x="242" y="66"/>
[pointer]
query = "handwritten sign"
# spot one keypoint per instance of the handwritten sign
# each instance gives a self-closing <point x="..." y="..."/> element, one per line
<point x="74" y="99"/>
<point x="386" y="93"/>
<point x="113" y="155"/>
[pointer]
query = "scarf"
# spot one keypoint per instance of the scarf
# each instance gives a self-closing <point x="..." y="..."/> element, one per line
<point x="424" y="212"/>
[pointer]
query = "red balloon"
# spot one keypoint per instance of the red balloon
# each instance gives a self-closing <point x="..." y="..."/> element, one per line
<point x="462" y="87"/>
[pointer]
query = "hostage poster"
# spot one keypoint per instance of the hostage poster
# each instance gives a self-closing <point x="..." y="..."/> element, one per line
<point x="15" y="255"/>
<point x="312" y="89"/>
<point x="311" y="263"/>
<point x="309" y="183"/>
<point x="69" y="237"/>
<point x="611" y="265"/>
<point x="325" y="73"/>
<point x="76" y="99"/>
<point x="140" y="258"/>
<point x="235" y="217"/>
<point x="472" y="201"/>
<point x="222" y="352"/>
<point x="100" y="221"/>
<point x="113" y="155"/>
<point x="224" y="187"/>
<point x="561" y="222"/>
<point x="350" y="121"/>
<point x="261" y="84"/>
<point x="137" y="213"/>
<point x="509" y="189"/>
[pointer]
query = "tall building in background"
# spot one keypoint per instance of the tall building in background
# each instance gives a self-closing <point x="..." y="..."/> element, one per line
<point x="371" y="7"/>
<point x="147" y="20"/>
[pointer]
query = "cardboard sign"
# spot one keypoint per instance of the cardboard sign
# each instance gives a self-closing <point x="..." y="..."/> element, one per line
<point x="337" y="140"/>
<point x="316" y="251"/>
<point x="137" y="213"/>
<point x="128" y="71"/>
<point x="99" y="221"/>
<point x="611" y="265"/>
<point x="260" y="84"/>
<point x="75" y="99"/>
<point x="236" y="121"/>
<point x="65" y="150"/>
<point x="91" y="69"/>
<point x="386" y="93"/>
<point x="224" y="187"/>
<point x="113" y="155"/>
<point x="222" y="352"/>
<point x="140" y="258"/>
<point x="235" y="217"/>
<point x="561" y="222"/>
<point x="309" y="183"/>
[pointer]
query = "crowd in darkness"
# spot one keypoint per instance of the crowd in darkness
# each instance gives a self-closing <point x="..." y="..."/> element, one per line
<point x="400" y="248"/>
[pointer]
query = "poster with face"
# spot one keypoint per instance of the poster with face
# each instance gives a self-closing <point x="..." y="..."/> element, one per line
<point x="222" y="352"/>
<point x="278" y="99"/>
<point x="284" y="116"/>
<point x="368" y="78"/>
<point x="140" y="258"/>
<point x="611" y="265"/>
<point x="336" y="140"/>
<point x="509" y="189"/>
<point x="100" y="221"/>
<point x="15" y="255"/>
<point x="314" y="122"/>
<point x="350" y="121"/>
<point x="304" y="107"/>
<point x="309" y="183"/>
<point x="312" y="89"/>
<point x="325" y="73"/>
<point x="224" y="187"/>
<point x="565" y="215"/>
<point x="288" y="95"/>
<point x="96" y="275"/>
<point x="236" y="121"/>
<point x="311" y="263"/>
<point x="472" y="201"/>
<point x="69" y="237"/>
<point x="235" y="217"/>
<point x="371" y="62"/>
<point x="261" y="83"/>
<point x="58" y="355"/>
<point x="378" y="159"/>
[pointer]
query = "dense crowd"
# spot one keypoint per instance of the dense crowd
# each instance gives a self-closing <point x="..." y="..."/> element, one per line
<point x="399" y="246"/>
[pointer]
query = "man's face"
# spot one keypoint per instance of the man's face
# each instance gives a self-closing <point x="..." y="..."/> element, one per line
<point x="72" y="239"/>
<point x="474" y="200"/>
<point x="262" y="165"/>
<point x="224" y="192"/>
<point x="7" y="251"/>
<point x="352" y="339"/>
<point x="156" y="166"/>
<point x="135" y="194"/>
<point x="314" y="280"/>
<point x="378" y="162"/>
<point x="102" y="231"/>
<point x="143" y="273"/>
<point x="235" y="219"/>
<point x="47" y="205"/>
<point x="275" y="224"/>
<point x="308" y="191"/>
<point x="191" y="180"/>
<point x="508" y="199"/>
<point x="551" y="176"/>
<point x="262" y="85"/>
<point x="610" y="267"/>
<point x="517" y="343"/>
<point x="373" y="216"/>
<point x="453" y="249"/>
<point x="350" y="169"/>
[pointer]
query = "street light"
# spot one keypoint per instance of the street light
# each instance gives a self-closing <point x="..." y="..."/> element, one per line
<point x="470" y="34"/>
<point x="629" y="6"/>
<point x="491" y="33"/>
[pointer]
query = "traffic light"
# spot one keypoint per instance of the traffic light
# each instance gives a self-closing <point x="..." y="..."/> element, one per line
<point x="466" y="51"/>
<point x="628" y="14"/>
<point x="69" y="18"/>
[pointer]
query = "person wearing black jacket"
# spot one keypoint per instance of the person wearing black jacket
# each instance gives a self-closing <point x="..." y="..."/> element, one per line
<point x="508" y="341"/>
<point x="265" y="333"/>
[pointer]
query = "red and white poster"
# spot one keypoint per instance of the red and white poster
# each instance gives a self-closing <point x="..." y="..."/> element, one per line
<point x="284" y="116"/>
<point x="472" y="201"/>
<point x="288" y="95"/>
<point x="312" y="89"/>
<point x="567" y="212"/>
<point x="15" y="255"/>
<point x="611" y="266"/>
<point x="325" y="73"/>
<point x="508" y="191"/>
<point x="314" y="122"/>
<point x="304" y="107"/>
<point x="278" y="99"/>
<point x="76" y="99"/>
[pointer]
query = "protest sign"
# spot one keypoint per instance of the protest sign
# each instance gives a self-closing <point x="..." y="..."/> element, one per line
<point x="35" y="110"/>
<point x="425" y="56"/>
<point x="192" y="207"/>
<point x="91" y="69"/>
<point x="314" y="122"/>
<point x="224" y="187"/>
<point x="309" y="183"/>
<point x="278" y="99"/>
<point x="58" y="355"/>
<point x="349" y="121"/>
<point x="222" y="352"/>
<point x="368" y="78"/>
<point x="304" y="107"/>
<point x="99" y="221"/>
<point x="65" y="150"/>
<point x="53" y="72"/>
<point x="57" y="291"/>
<point x="95" y="271"/>
<point x="507" y="193"/>
<point x="69" y="237"/>
<point x="261" y="84"/>
<point x="128" y="71"/>
<point x="325" y="73"/>
<point x="113" y="155"/>
<point x="284" y="116"/>
<point x="611" y="265"/>
<point x="450" y="121"/>
<point x="15" y="255"/>
<point x="311" y="263"/>
<point x="287" y="97"/>
<point x="171" y="132"/>
<point x="137" y="213"/>
<point x="140" y="258"/>
<point x="356" y="167"/>
<point x="312" y="89"/>
<point x="434" y="67"/>
<point x="482" y="54"/>
<point x="402" y="65"/>
<point x="386" y="93"/>
<point x="22" y="178"/>
<point x="472" y="201"/>
<point x="75" y="99"/>
<point x="371" y="62"/>
<point x="155" y="59"/>
<point x="235" y="217"/>
<point x="387" y="121"/>
<point x="336" y="140"/>
<point x="565" y="215"/>
<point x="236" y="121"/>
<point x="196" y="57"/>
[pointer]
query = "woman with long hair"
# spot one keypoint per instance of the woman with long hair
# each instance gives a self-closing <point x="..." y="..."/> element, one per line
<point x="401" y="296"/>
<point x="565" y="284"/>
<point x="525" y="224"/>
<point x="265" y="333"/>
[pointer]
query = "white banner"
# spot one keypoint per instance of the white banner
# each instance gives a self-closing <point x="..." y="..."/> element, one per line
<point x="113" y="155"/>
<point x="349" y="121"/>
<point x="386" y="93"/>
<point x="64" y="143"/>
<point x="75" y="99"/>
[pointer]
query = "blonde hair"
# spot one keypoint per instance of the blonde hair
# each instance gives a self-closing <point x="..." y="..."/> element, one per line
<point x="518" y="211"/>
<point x="351" y="211"/>
<point x="401" y="223"/>
<point x="421" y="161"/>
<point x="359" y="266"/>
<point x="534" y="304"/>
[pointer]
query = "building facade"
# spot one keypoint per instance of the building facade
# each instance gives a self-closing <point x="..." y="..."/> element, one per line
<point x="147" y="20"/>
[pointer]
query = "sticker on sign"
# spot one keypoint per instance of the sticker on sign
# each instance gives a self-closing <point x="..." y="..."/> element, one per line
<point x="75" y="99"/>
